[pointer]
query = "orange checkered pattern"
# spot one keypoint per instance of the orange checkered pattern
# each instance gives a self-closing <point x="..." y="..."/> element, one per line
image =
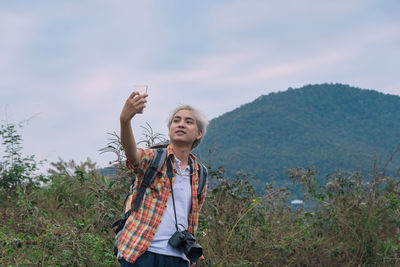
<point x="141" y="226"/>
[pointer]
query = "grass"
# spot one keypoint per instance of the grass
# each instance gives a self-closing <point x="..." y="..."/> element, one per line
<point x="349" y="221"/>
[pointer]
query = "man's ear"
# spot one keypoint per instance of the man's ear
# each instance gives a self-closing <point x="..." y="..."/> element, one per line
<point x="199" y="136"/>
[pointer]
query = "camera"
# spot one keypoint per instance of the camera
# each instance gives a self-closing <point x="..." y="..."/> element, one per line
<point x="183" y="240"/>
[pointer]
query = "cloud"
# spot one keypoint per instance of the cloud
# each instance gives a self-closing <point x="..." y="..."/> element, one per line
<point x="243" y="16"/>
<point x="203" y="69"/>
<point x="247" y="68"/>
<point x="383" y="33"/>
<point x="16" y="32"/>
<point x="299" y="65"/>
<point x="96" y="85"/>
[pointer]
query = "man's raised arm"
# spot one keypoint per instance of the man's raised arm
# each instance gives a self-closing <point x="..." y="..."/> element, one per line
<point x="133" y="105"/>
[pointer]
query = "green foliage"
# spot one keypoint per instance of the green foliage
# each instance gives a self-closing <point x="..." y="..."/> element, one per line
<point x="114" y="146"/>
<point x="66" y="223"/>
<point x="331" y="126"/>
<point x="349" y="221"/>
<point x="149" y="137"/>
<point x="15" y="169"/>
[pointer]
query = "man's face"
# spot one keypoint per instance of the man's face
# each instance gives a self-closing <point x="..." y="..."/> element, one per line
<point x="184" y="128"/>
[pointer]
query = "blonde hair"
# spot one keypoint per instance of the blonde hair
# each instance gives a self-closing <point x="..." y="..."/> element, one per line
<point x="201" y="121"/>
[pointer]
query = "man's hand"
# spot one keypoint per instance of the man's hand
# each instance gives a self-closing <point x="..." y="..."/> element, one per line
<point x="194" y="264"/>
<point x="133" y="105"/>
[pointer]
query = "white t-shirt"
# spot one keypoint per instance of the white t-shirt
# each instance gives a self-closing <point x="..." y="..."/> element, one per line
<point x="183" y="201"/>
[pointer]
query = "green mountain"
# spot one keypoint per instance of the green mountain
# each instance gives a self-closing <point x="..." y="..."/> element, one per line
<point x="331" y="127"/>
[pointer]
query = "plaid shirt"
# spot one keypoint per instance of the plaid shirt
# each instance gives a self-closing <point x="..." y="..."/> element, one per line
<point x="141" y="226"/>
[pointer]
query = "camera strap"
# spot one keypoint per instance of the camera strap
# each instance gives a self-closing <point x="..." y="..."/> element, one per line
<point x="169" y="174"/>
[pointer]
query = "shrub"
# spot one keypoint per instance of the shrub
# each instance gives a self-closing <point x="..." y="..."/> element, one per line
<point x="350" y="221"/>
<point x="66" y="223"/>
<point x="16" y="170"/>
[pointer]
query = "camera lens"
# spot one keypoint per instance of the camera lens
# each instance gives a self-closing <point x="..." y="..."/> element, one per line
<point x="193" y="251"/>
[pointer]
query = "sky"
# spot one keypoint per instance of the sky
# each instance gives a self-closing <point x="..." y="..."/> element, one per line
<point x="69" y="66"/>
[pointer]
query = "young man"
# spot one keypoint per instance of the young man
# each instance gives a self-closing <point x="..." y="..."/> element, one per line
<point x="144" y="240"/>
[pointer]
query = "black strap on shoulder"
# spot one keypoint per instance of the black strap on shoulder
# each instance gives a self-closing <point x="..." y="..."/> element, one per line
<point x="150" y="174"/>
<point x="203" y="174"/>
<point x="121" y="222"/>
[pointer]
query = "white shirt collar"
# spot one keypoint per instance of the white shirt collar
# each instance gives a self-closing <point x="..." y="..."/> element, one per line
<point x="186" y="171"/>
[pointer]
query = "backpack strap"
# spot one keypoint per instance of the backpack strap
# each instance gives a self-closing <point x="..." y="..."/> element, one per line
<point x="121" y="222"/>
<point x="203" y="174"/>
<point x="160" y="155"/>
